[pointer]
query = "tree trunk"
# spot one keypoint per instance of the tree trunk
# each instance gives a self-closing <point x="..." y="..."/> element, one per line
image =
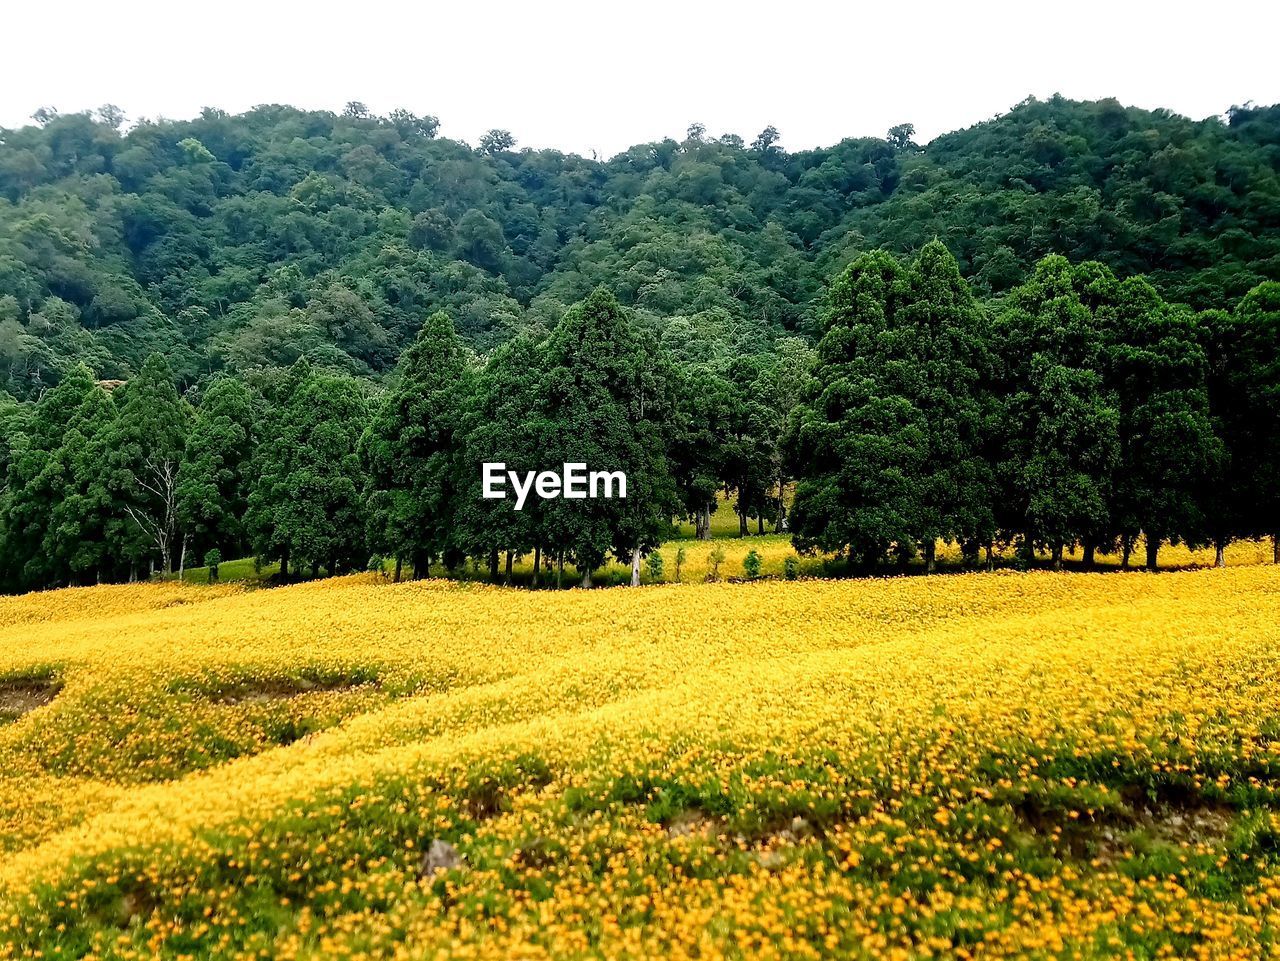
<point x="133" y="571"/>
<point x="635" y="566"/>
<point x="1027" y="549"/>
<point x="1153" y="551"/>
<point x="760" y="523"/>
<point x="743" y="530"/>
<point x="1275" y="548"/>
<point x="1089" y="550"/>
<point x="399" y="567"/>
<point x="560" y="569"/>
<point x="782" y="508"/>
<point x="182" y="558"/>
<point x="507" y="578"/>
<point x="586" y="578"/>
<point x="1057" y="557"/>
<point x="991" y="560"/>
<point x="1220" y="552"/>
<point x="1126" y="550"/>
<point x="493" y="564"/>
<point x="284" y="565"/>
<point x="537" y="565"/>
<point x="930" y="548"/>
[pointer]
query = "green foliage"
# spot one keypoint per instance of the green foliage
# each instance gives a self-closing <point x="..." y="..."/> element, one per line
<point x="791" y="567"/>
<point x="654" y="565"/>
<point x="751" y="564"/>
<point x="213" y="481"/>
<point x="411" y="451"/>
<point x="714" y="560"/>
<point x="305" y="500"/>
<point x="607" y="394"/>
<point x="1058" y="423"/>
<point x="212" y="558"/>
<point x="252" y="240"/>
<point x="892" y="433"/>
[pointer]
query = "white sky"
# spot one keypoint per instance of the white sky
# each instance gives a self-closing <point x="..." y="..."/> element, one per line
<point x="581" y="75"/>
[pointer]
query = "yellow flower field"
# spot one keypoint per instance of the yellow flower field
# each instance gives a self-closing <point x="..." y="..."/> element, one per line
<point x="971" y="765"/>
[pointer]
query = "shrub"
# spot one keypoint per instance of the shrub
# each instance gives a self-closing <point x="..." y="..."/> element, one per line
<point x="680" y="555"/>
<point x="751" y="564"/>
<point x="714" y="560"/>
<point x="653" y="563"/>
<point x="212" y="558"/>
<point x="791" y="568"/>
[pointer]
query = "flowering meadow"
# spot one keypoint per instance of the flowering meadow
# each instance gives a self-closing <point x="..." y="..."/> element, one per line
<point x="969" y="765"/>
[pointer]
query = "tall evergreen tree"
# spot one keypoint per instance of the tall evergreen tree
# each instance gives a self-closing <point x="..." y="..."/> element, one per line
<point x="946" y="377"/>
<point x="704" y="404"/>
<point x="892" y="436"/>
<point x="1158" y="370"/>
<point x="1060" y="425"/>
<point x="607" y="400"/>
<point x="36" y="482"/>
<point x="306" y="503"/>
<point x="508" y="423"/>
<point x="861" y="443"/>
<point x="213" y="481"/>
<point x="412" y="449"/>
<point x="1256" y="375"/>
<point x="88" y="538"/>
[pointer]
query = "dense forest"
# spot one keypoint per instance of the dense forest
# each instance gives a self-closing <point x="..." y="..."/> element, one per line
<point x="237" y="243"/>
<point x="297" y="334"/>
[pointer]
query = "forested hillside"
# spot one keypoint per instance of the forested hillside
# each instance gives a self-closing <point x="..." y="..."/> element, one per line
<point x="241" y="243"/>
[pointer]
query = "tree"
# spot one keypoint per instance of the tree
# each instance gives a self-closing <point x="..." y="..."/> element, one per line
<point x="87" y="536"/>
<point x="147" y="452"/>
<point x="1255" y="374"/>
<point x="900" y="136"/>
<point x="412" y="447"/>
<point x="860" y="442"/>
<point x="948" y="365"/>
<point x="508" y="423"/>
<point x="1157" y="368"/>
<point x="782" y="385"/>
<point x="214" y="479"/>
<point x="891" y="435"/>
<point x="609" y="407"/>
<point x="496" y="141"/>
<point x="746" y="447"/>
<point x="1059" y="444"/>
<point x="704" y="403"/>
<point x="766" y="139"/>
<point x="306" y="502"/>
<point x="36" y="482"/>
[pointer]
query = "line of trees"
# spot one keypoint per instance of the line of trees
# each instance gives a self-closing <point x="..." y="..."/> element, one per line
<point x="1079" y="409"/>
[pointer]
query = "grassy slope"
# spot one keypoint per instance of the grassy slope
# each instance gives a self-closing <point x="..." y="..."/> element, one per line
<point x="854" y="767"/>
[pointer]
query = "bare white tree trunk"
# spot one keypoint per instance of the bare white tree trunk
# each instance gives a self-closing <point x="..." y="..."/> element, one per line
<point x="635" y="566"/>
<point x="182" y="558"/>
<point x="160" y="480"/>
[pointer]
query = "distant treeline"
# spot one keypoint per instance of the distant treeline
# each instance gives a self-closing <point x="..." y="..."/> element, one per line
<point x="1079" y="409"/>
<point x="231" y="243"/>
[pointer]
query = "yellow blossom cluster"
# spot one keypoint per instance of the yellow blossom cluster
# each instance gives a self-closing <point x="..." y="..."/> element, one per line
<point x="970" y="765"/>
